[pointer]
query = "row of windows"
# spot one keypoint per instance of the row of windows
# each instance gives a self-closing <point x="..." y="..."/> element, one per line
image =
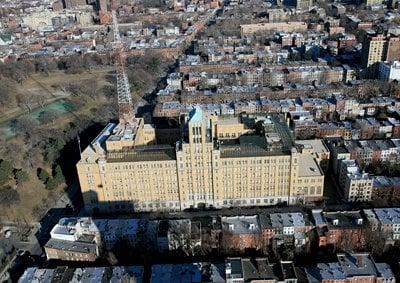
<point x="254" y="174"/>
<point x="310" y="191"/>
<point x="260" y="161"/>
<point x="143" y="166"/>
<point x="252" y="201"/>
<point x="307" y="180"/>
<point x="228" y="135"/>
<point x="196" y="130"/>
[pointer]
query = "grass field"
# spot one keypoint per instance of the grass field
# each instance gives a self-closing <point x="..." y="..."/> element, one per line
<point x="33" y="194"/>
<point x="41" y="85"/>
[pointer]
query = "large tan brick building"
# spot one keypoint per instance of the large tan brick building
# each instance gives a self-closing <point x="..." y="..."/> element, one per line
<point x="273" y="27"/>
<point x="216" y="161"/>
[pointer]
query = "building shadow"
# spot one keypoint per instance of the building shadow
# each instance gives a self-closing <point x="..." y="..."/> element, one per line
<point x="48" y="221"/>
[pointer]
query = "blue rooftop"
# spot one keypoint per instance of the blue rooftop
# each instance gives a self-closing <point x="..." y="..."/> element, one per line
<point x="196" y="115"/>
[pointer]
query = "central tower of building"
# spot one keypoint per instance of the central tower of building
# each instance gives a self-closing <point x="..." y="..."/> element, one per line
<point x="196" y="160"/>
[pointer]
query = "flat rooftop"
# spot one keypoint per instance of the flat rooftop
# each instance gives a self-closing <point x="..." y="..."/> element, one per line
<point x="317" y="145"/>
<point x="228" y="120"/>
<point x="249" y="150"/>
<point x="145" y="153"/>
<point x="72" y="246"/>
<point x="308" y="167"/>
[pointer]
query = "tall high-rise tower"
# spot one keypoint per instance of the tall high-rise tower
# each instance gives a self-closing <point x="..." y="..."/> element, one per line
<point x="374" y="50"/>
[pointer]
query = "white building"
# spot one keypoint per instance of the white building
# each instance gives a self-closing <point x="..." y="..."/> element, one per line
<point x="106" y="231"/>
<point x="357" y="186"/>
<point x="389" y="71"/>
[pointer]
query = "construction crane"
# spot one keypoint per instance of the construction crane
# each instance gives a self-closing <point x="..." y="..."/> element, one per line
<point x="125" y="105"/>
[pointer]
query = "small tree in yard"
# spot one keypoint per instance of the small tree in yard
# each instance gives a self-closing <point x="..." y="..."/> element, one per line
<point x="58" y="175"/>
<point x="286" y="252"/>
<point x="43" y="175"/>
<point x="21" y="176"/>
<point x="6" y="170"/>
<point x="51" y="184"/>
<point x="8" y="196"/>
<point x="52" y="148"/>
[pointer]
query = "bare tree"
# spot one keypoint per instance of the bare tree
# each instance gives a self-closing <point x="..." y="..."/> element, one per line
<point x="40" y="99"/>
<point x="26" y="101"/>
<point x="179" y="236"/>
<point x="376" y="241"/>
<point x="25" y="125"/>
<point x="48" y="117"/>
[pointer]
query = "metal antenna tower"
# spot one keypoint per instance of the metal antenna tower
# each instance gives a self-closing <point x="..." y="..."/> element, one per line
<point x="125" y="104"/>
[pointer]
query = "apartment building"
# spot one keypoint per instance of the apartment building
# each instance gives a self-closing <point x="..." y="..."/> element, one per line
<point x="121" y="171"/>
<point x="373" y="151"/>
<point x="340" y="228"/>
<point x="374" y="50"/>
<point x="273" y="27"/>
<point x="356" y="185"/>
<point x="292" y="227"/>
<point x="388" y="220"/>
<point x="386" y="189"/>
<point x="389" y="71"/>
<point x="241" y="232"/>
<point x="393" y="50"/>
<point x="74" y="239"/>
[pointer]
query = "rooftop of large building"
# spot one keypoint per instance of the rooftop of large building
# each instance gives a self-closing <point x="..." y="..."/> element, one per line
<point x="267" y="135"/>
<point x="308" y="167"/>
<point x="228" y="120"/>
<point x="143" y="153"/>
<point x="314" y="145"/>
<point x="246" y="146"/>
<point x="271" y="138"/>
